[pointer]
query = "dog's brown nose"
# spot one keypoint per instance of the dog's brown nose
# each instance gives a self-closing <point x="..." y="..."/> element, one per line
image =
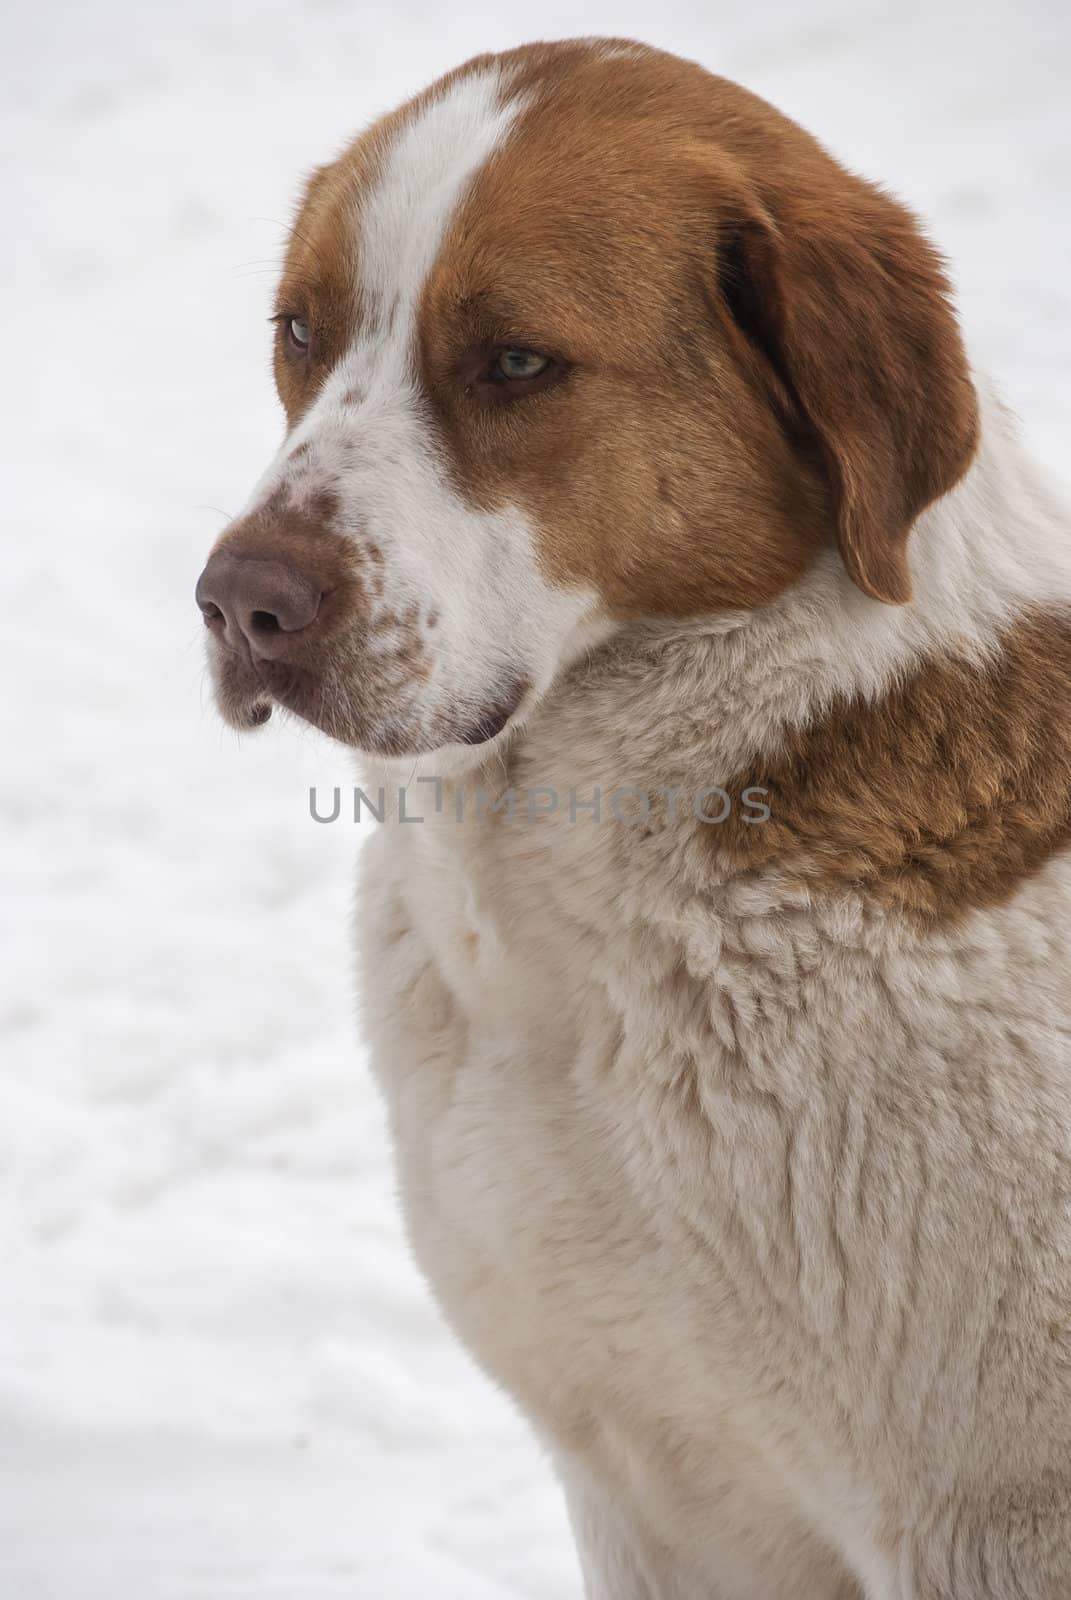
<point x="255" y="602"/>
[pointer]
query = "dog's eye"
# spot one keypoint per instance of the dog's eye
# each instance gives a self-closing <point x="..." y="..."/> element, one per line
<point x="513" y="363"/>
<point x="298" y="331"/>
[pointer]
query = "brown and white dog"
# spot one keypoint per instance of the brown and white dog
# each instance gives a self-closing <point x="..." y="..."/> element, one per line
<point x="632" y="446"/>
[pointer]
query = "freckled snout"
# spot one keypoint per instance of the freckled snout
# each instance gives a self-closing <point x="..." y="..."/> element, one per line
<point x="256" y="603"/>
<point x="285" y="601"/>
<point x="300" y="615"/>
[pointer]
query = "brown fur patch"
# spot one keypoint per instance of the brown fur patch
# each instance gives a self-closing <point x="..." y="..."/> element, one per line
<point x="757" y="351"/>
<point x="938" y="799"/>
<point x="318" y="284"/>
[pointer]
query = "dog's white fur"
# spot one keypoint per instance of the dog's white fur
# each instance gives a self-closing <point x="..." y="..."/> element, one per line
<point x="673" y="1153"/>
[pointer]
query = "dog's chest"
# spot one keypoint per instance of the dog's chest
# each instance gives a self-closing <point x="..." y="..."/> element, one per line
<point x="638" y="1165"/>
<point x="496" y="1040"/>
<point x="593" y="1184"/>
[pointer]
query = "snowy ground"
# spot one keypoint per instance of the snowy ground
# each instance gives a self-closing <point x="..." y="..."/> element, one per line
<point x="219" y="1373"/>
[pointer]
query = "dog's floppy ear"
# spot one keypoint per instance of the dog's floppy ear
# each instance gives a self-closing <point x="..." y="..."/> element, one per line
<point x="850" y="306"/>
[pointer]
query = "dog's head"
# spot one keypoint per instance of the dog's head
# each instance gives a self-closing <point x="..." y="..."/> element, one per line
<point x="580" y="335"/>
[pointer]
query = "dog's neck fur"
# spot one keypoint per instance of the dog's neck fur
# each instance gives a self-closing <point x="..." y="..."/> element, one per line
<point x="997" y="546"/>
<point x="693" y="703"/>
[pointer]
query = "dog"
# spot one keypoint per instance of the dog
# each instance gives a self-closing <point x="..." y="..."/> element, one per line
<point x="640" y="513"/>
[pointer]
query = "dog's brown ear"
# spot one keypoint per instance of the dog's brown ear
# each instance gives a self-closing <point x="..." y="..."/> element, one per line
<point x="850" y="306"/>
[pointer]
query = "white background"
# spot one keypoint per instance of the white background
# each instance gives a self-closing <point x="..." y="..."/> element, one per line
<point x="219" y="1373"/>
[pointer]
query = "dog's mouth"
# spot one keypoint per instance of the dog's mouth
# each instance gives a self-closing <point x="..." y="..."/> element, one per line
<point x="254" y="715"/>
<point x="494" y="721"/>
<point x="242" y="701"/>
<point x="248" y="691"/>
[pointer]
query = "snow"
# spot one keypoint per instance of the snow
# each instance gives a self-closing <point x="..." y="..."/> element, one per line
<point x="220" y="1374"/>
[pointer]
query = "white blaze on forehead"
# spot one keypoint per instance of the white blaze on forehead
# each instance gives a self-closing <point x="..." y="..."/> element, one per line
<point x="425" y="174"/>
<point x="498" y="621"/>
<point x="399" y="227"/>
